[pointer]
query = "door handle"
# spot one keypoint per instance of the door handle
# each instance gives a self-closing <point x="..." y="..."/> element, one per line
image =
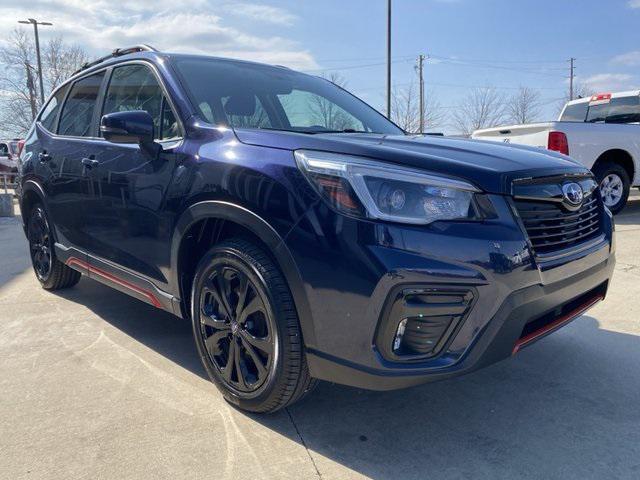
<point x="90" y="162"/>
<point x="44" y="157"/>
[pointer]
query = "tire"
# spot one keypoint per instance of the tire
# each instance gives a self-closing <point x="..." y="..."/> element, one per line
<point x="614" y="184"/>
<point x="50" y="272"/>
<point x="242" y="310"/>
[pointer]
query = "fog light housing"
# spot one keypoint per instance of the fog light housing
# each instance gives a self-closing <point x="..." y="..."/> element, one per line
<point x="418" y="322"/>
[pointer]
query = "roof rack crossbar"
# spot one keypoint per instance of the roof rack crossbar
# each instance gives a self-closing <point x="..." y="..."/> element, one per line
<point x="118" y="52"/>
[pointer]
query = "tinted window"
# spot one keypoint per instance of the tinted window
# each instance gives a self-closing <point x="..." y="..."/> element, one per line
<point x="4" y="150"/>
<point x="77" y="113"/>
<point x="49" y="115"/>
<point x="306" y="109"/>
<point x="575" y="113"/>
<point x="597" y="113"/>
<point x="246" y="111"/>
<point x="135" y="87"/>
<point x="624" y="110"/>
<point x="260" y="96"/>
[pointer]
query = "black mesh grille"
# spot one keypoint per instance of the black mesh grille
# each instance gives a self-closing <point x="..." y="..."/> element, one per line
<point x="551" y="228"/>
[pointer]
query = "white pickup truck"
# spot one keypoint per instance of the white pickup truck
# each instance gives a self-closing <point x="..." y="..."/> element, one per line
<point x="602" y="132"/>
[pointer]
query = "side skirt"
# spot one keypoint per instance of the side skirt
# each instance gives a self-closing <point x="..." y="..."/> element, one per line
<point x="118" y="278"/>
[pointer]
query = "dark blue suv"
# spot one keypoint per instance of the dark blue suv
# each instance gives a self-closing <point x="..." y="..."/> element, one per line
<point x="303" y="234"/>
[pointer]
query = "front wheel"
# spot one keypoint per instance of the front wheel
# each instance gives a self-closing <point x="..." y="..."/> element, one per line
<point x="246" y="328"/>
<point x="614" y="185"/>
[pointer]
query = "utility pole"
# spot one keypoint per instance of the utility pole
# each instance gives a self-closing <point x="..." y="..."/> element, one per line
<point x="571" y="77"/>
<point x="389" y="59"/>
<point x="35" y="24"/>
<point x="420" y="67"/>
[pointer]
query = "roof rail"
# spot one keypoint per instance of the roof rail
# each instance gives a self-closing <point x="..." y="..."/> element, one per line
<point x="118" y="52"/>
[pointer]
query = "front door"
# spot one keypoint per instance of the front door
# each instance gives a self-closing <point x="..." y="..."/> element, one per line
<point x="129" y="224"/>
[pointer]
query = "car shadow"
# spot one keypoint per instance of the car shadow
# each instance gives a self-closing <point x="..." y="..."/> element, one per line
<point x="163" y="332"/>
<point x="565" y="407"/>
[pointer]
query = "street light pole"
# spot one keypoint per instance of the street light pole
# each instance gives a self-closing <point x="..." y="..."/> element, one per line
<point x="389" y="59"/>
<point x="35" y="24"/>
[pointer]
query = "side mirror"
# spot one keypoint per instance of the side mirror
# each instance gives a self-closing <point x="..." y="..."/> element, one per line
<point x="133" y="126"/>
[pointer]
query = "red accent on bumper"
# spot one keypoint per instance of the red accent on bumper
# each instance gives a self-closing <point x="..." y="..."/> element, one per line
<point x="123" y="283"/>
<point x="556" y="324"/>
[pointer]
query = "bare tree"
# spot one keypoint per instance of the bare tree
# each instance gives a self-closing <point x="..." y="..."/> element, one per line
<point x="524" y="106"/>
<point x="580" y="90"/>
<point x="61" y="61"/>
<point x="19" y="99"/>
<point x="481" y="108"/>
<point x="405" y="108"/>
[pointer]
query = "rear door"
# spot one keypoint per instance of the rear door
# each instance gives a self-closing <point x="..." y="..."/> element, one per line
<point x="62" y="156"/>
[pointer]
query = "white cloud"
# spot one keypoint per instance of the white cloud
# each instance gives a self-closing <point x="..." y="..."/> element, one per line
<point x="630" y="59"/>
<point x="263" y="13"/>
<point x="608" y="82"/>
<point x="193" y="28"/>
<point x="634" y="3"/>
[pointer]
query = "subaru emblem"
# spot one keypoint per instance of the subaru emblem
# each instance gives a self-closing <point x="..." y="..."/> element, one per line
<point x="572" y="194"/>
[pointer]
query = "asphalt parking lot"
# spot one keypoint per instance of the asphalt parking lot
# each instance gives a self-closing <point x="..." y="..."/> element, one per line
<point x="94" y="384"/>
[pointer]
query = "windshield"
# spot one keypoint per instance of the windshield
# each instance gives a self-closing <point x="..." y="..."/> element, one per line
<point x="246" y="95"/>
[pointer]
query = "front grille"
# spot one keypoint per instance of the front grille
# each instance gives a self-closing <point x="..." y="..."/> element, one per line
<point x="551" y="228"/>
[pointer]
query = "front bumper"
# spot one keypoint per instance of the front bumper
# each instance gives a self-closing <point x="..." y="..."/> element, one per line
<point x="353" y="268"/>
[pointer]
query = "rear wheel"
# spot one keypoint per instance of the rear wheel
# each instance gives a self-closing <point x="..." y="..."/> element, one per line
<point x="614" y="185"/>
<point x="246" y="328"/>
<point x="50" y="272"/>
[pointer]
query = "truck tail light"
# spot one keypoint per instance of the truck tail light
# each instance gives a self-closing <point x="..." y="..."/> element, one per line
<point x="558" y="142"/>
<point x="20" y="147"/>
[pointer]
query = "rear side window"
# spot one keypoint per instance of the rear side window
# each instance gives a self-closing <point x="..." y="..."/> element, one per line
<point x="618" y="110"/>
<point x="78" y="110"/>
<point x="624" y="110"/>
<point x="575" y="113"/>
<point x="4" y="150"/>
<point x="49" y="115"/>
<point x="135" y="87"/>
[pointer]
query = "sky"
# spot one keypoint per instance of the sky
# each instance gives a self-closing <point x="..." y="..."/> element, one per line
<point x="469" y="43"/>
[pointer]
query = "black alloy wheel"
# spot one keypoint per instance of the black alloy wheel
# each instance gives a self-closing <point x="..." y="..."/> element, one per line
<point x="246" y="328"/>
<point x="236" y="328"/>
<point x="50" y="272"/>
<point x="40" y="244"/>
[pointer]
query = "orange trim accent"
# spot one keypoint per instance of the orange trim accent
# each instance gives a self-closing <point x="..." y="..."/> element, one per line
<point x="119" y="281"/>
<point x="572" y="315"/>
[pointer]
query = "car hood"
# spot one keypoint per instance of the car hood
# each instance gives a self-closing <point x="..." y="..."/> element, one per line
<point x="488" y="165"/>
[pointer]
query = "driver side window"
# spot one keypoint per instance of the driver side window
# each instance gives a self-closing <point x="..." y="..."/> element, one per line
<point x="135" y="87"/>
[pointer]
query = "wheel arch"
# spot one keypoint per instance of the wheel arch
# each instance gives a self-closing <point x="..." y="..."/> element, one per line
<point x="242" y="221"/>
<point x="622" y="158"/>
<point x="32" y="193"/>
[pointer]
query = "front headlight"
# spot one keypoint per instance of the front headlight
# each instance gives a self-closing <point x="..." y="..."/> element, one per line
<point x="362" y="187"/>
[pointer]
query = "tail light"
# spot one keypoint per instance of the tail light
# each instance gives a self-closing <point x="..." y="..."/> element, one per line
<point x="20" y="147"/>
<point x="558" y="142"/>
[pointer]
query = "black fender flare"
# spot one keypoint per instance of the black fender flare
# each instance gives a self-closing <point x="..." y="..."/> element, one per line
<point x="262" y="229"/>
<point x="31" y="185"/>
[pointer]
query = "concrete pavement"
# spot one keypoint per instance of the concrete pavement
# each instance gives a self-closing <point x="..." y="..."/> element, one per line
<point x="94" y="384"/>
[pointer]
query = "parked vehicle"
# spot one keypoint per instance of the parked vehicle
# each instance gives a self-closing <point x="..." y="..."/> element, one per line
<point x="9" y="151"/>
<point x="601" y="132"/>
<point x="303" y="234"/>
